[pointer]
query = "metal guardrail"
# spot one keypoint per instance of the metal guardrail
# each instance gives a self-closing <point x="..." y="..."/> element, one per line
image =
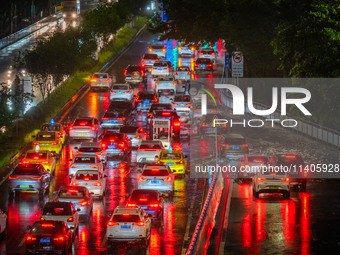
<point x="308" y="128"/>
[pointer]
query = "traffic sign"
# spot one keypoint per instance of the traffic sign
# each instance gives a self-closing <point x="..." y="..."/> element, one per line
<point x="237" y="64"/>
<point x="226" y="60"/>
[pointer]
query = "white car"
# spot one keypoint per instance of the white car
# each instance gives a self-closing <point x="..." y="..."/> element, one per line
<point x="3" y="224"/>
<point x="85" y="161"/>
<point x="135" y="134"/>
<point x="121" y="92"/>
<point x="84" y="128"/>
<point x="266" y="181"/>
<point x="165" y="85"/>
<point x="92" y="148"/>
<point x="93" y="180"/>
<point x="101" y="80"/>
<point x="131" y="225"/>
<point x="186" y="50"/>
<point x="158" y="177"/>
<point x="148" y="151"/>
<point x="62" y="211"/>
<point x="148" y="60"/>
<point x="161" y="68"/>
<point x="182" y="104"/>
<point x="249" y="164"/>
<point x="207" y="53"/>
<point x="158" y="49"/>
<point x="182" y="73"/>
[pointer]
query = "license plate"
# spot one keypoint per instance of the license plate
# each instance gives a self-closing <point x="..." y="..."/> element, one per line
<point x="125" y="226"/>
<point x="112" y="146"/>
<point x="45" y="240"/>
<point x="128" y="78"/>
<point x="149" y="62"/>
<point x="146" y="102"/>
<point x="273" y="187"/>
<point x="235" y="147"/>
<point x="181" y="105"/>
<point x="24" y="186"/>
<point x="154" y="182"/>
<point x="169" y="164"/>
<point x="203" y="65"/>
<point x="144" y="207"/>
<point x="120" y="93"/>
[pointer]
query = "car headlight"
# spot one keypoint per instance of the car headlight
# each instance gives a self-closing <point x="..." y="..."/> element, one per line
<point x="74" y="15"/>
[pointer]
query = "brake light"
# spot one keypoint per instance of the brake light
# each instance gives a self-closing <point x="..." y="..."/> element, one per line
<point x="179" y="48"/>
<point x="70" y="219"/>
<point x="225" y="145"/>
<point x="112" y="223"/>
<point x="189" y="73"/>
<point x="93" y="80"/>
<point x="113" y="92"/>
<point x="35" y="157"/>
<point x="106" y="80"/>
<point x="45" y="162"/>
<point x="59" y="239"/>
<point x="127" y="92"/>
<point x="204" y="125"/>
<point x="290" y="156"/>
<point x="103" y="145"/>
<point x="157" y="83"/>
<point x="168" y="179"/>
<point x="244" y="145"/>
<point x="75" y="183"/>
<point x="97" y="184"/>
<point x="189" y="104"/>
<point x="25" y="162"/>
<point x="150" y="149"/>
<point x="261" y="179"/>
<point x="74" y="166"/>
<point x="137" y="136"/>
<point x="209" y="64"/>
<point x="131" y="205"/>
<point x="70" y="128"/>
<point x="174" y="83"/>
<point x="213" y="53"/>
<point x="196" y="64"/>
<point x="93" y="128"/>
<point x="155" y="169"/>
<point x="30" y="238"/>
<point x="141" y="179"/>
<point x="201" y="53"/>
<point x="174" y="103"/>
<point x="285" y="179"/>
<point x="83" y="124"/>
<point x="176" y="73"/>
<point x="121" y="145"/>
<point x="47" y="225"/>
<point x="120" y="118"/>
<point x="143" y="199"/>
<point x="150" y="49"/>
<point x="140" y="223"/>
<point x="192" y="48"/>
<point x="54" y="143"/>
<point x="143" y="65"/>
<point x="180" y="162"/>
<point x="86" y="179"/>
<point x="105" y="118"/>
<point x="83" y="203"/>
<point x="154" y="205"/>
<point x="166" y="113"/>
<point x="35" y="143"/>
<point x="177" y="124"/>
<point x="42" y="219"/>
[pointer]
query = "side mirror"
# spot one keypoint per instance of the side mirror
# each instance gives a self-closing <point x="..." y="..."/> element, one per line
<point x="78" y="209"/>
<point x="29" y="227"/>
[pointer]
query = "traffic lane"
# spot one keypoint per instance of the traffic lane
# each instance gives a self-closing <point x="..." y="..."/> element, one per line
<point x="305" y="224"/>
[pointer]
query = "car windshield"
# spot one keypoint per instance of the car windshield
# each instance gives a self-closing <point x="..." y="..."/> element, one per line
<point x="36" y="156"/>
<point x="90" y="149"/>
<point x="160" y="64"/>
<point x="203" y="61"/>
<point x="113" y="137"/>
<point x="133" y="69"/>
<point x="120" y="105"/>
<point x="210" y="117"/>
<point x="170" y="156"/>
<point x="128" y="130"/>
<point x="157" y="46"/>
<point x="207" y="51"/>
<point x="45" y="137"/>
<point x="150" y="56"/>
<point x="182" y="68"/>
<point x="85" y="160"/>
<point x="146" y="96"/>
<point x="235" y="141"/>
<point x="71" y="193"/>
<point x="182" y="99"/>
<point x="87" y="176"/>
<point x="125" y="217"/>
<point x="150" y="146"/>
<point x="258" y="159"/>
<point x="48" y="127"/>
<point x="289" y="159"/>
<point x="155" y="172"/>
<point x="26" y="171"/>
<point x="100" y="76"/>
<point x="42" y="228"/>
<point x="120" y="87"/>
<point x="56" y="209"/>
<point x="143" y="196"/>
<point x="160" y="107"/>
<point x="83" y="122"/>
<point x="113" y="115"/>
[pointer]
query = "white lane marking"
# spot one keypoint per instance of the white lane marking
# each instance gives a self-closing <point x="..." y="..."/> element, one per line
<point x="104" y="241"/>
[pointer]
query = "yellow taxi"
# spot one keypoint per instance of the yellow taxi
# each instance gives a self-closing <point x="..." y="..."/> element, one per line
<point x="43" y="157"/>
<point x="48" y="141"/>
<point x="175" y="160"/>
<point x="57" y="128"/>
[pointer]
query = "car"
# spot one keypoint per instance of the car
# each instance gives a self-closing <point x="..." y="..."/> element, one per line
<point x="165" y="86"/>
<point x="207" y="53"/>
<point x="79" y="196"/>
<point x="157" y="107"/>
<point x="182" y="105"/>
<point x="170" y="66"/>
<point x="57" y="128"/>
<point x="134" y="74"/>
<point x="113" y="120"/>
<point x="186" y="50"/>
<point x="148" y="151"/>
<point x="158" y="49"/>
<point x="182" y="73"/>
<point x="49" y="235"/>
<point x="176" y="161"/>
<point x="135" y="134"/>
<point x="158" y="177"/>
<point x="116" y="144"/>
<point x="203" y="64"/>
<point x="174" y="121"/>
<point x="84" y="128"/>
<point x="120" y="106"/>
<point x="92" y="148"/>
<point x="249" y="164"/>
<point x="121" y="91"/>
<point x="29" y="178"/>
<point x="131" y="226"/>
<point x="161" y="68"/>
<point x="3" y="224"/>
<point x="298" y="179"/>
<point x="47" y="141"/>
<point x="151" y="201"/>
<point x="100" y="80"/>
<point x="211" y="108"/>
<point x="148" y="60"/>
<point x="232" y="146"/>
<point x="43" y="157"/>
<point x="209" y="127"/>
<point x="61" y="211"/>
<point x="85" y="161"/>
<point x="268" y="180"/>
<point x="93" y="180"/>
<point x="144" y="100"/>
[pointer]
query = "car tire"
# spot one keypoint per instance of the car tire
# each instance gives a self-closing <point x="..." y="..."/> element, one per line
<point x="286" y="195"/>
<point x="256" y="194"/>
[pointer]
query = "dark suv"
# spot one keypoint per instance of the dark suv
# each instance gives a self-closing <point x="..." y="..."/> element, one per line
<point x="116" y="144"/>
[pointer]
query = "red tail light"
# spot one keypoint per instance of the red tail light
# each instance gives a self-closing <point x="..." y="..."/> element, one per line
<point x="105" y="118"/>
<point x="261" y="179"/>
<point x="59" y="239"/>
<point x="103" y="145"/>
<point x="225" y="145"/>
<point x="112" y="223"/>
<point x="113" y="92"/>
<point x="179" y="48"/>
<point x="180" y="162"/>
<point x="154" y="205"/>
<point x="54" y="143"/>
<point x="140" y="223"/>
<point x="83" y="203"/>
<point x="177" y="124"/>
<point x="131" y="205"/>
<point x="25" y="162"/>
<point x="141" y="179"/>
<point x="292" y="156"/>
<point x="285" y="179"/>
<point x="70" y="128"/>
<point x="125" y="72"/>
<point x="189" y="73"/>
<point x="73" y="166"/>
<point x="35" y="143"/>
<point x="30" y="238"/>
<point x="75" y="183"/>
<point x="35" y="158"/>
<point x="176" y="73"/>
<point x="97" y="184"/>
<point x="244" y="145"/>
<point x="121" y="145"/>
<point x="168" y="179"/>
<point x="150" y="49"/>
<point x="163" y="50"/>
<point x="209" y="65"/>
<point x="127" y="92"/>
<point x="120" y="118"/>
<point x="94" y="166"/>
<point x="106" y="80"/>
<point x="196" y="64"/>
<point x="136" y="136"/>
<point x="201" y="53"/>
<point x="70" y="219"/>
<point x="174" y="104"/>
<point x="42" y="219"/>
<point x="45" y="162"/>
<point x="93" y="80"/>
<point x="47" y="225"/>
<point x="93" y="128"/>
<point x="213" y="53"/>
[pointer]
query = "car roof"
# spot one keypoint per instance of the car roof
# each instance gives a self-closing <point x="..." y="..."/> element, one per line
<point x="234" y="136"/>
<point x="85" y="155"/>
<point x="81" y="188"/>
<point x="124" y="209"/>
<point x="151" y="142"/>
<point x="87" y="172"/>
<point x="61" y="204"/>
